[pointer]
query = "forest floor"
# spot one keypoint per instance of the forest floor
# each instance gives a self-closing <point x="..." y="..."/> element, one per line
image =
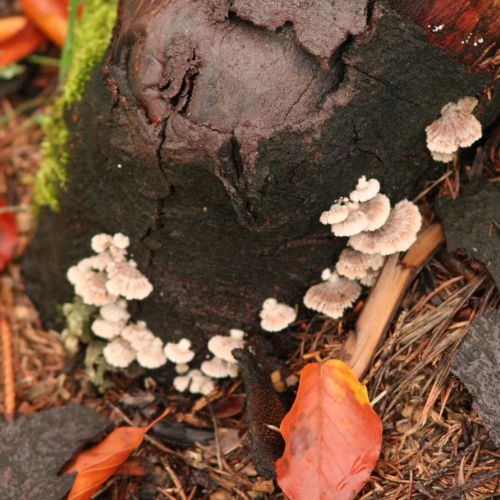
<point x="434" y="445"/>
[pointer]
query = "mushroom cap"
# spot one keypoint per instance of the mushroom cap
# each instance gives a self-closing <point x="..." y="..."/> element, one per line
<point x="181" y="368"/>
<point x="222" y="346"/>
<point x="237" y="334"/>
<point x="126" y="280"/>
<point x="377" y="211"/>
<point x="338" y="212"/>
<point x="119" y="353"/>
<point x="365" y="189"/>
<point x="115" y="311"/>
<point x="107" y="329"/>
<point x="457" y="127"/>
<point x="93" y="290"/>
<point x="151" y="354"/>
<point x="332" y="296"/>
<point x="200" y="384"/>
<point x="217" y="368"/>
<point x="101" y="242"/>
<point x="276" y="316"/>
<point x="356" y="265"/>
<point x="370" y="278"/>
<point x="138" y="335"/>
<point x="355" y="222"/>
<point x="181" y="382"/>
<point x="179" y="352"/>
<point x="396" y="235"/>
<point x="442" y="157"/>
<point x="102" y="261"/>
<point x="121" y="241"/>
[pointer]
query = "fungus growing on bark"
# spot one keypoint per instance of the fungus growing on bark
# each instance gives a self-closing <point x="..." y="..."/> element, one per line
<point x="222" y="345"/>
<point x="355" y="222"/>
<point x="356" y="265"/>
<point x="365" y="189"/>
<point x="332" y="296"/>
<point x="93" y="290"/>
<point x="107" y="329"/>
<point x="101" y="242"/>
<point x="338" y="212"/>
<point x="121" y="241"/>
<point x="126" y="280"/>
<point x="119" y="353"/>
<point x="218" y="368"/>
<point x="150" y="354"/>
<point x="456" y="128"/>
<point x="137" y="334"/>
<point x="179" y="352"/>
<point x="195" y="381"/>
<point x="181" y="368"/>
<point x="115" y="311"/>
<point x="276" y="316"/>
<point x="396" y="235"/>
<point x="377" y="211"/>
<point x="369" y="278"/>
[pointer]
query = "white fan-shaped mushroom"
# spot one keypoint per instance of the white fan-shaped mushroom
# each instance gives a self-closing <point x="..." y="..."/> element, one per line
<point x="179" y="352"/>
<point x="107" y="329"/>
<point x="218" y="368"/>
<point x="338" y="212"/>
<point x="275" y="316"/>
<point x="355" y="222"/>
<point x="121" y="241"/>
<point x="151" y="354"/>
<point x="93" y="290"/>
<point x="332" y="296"/>
<point x="126" y="280"/>
<point x="137" y="334"/>
<point x="101" y="242"/>
<point x="181" y="368"/>
<point x="456" y="128"/>
<point x="222" y="346"/>
<point x="115" y="311"/>
<point x="119" y="353"/>
<point x="396" y="235"/>
<point x="195" y="381"/>
<point x="355" y="265"/>
<point x="377" y="211"/>
<point x="365" y="189"/>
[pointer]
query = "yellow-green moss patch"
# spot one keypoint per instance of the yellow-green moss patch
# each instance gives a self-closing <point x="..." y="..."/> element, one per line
<point x="92" y="36"/>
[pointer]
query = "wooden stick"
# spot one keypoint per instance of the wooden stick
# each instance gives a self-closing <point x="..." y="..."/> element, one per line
<point x="386" y="296"/>
<point x="8" y="370"/>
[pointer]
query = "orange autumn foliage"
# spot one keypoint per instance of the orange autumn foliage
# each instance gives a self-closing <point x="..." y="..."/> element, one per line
<point x="20" y="44"/>
<point x="51" y="16"/>
<point x="96" y="465"/>
<point x="332" y="435"/>
<point x="9" y="26"/>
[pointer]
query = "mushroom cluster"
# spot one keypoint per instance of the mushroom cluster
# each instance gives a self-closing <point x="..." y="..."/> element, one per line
<point x="456" y="128"/>
<point x="222" y="365"/>
<point x="108" y="280"/>
<point x="375" y="231"/>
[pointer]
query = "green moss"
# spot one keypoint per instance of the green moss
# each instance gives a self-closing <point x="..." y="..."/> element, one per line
<point x="92" y="36"/>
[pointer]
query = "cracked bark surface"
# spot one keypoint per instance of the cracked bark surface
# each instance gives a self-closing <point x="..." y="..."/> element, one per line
<point x="232" y="135"/>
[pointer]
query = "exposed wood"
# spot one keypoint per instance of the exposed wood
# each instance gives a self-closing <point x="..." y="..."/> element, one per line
<point x="8" y="370"/>
<point x="386" y="295"/>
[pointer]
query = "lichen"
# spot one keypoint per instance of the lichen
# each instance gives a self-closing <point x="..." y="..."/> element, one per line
<point x="92" y="36"/>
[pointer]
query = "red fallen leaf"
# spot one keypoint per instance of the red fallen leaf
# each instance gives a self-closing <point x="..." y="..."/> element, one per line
<point x="96" y="465"/>
<point x="9" y="26"/>
<point x="332" y="435"/>
<point x="8" y="236"/>
<point x="21" y="44"/>
<point x="51" y="16"/>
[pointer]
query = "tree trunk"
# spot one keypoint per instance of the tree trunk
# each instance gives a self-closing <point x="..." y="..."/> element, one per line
<point x="215" y="133"/>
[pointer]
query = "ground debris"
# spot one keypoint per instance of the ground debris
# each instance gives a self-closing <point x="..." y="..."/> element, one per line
<point x="36" y="447"/>
<point x="472" y="222"/>
<point x="477" y="364"/>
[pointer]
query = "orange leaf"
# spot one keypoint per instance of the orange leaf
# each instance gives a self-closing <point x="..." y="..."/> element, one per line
<point x="51" y="16"/>
<point x="332" y="435"/>
<point x="9" y="26"/>
<point x="96" y="465"/>
<point x="8" y="236"/>
<point x="21" y="44"/>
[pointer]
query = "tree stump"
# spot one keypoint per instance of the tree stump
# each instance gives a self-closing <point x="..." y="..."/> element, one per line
<point x="215" y="133"/>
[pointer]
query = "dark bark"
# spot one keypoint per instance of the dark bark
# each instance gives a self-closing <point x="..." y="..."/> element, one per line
<point x="234" y="131"/>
